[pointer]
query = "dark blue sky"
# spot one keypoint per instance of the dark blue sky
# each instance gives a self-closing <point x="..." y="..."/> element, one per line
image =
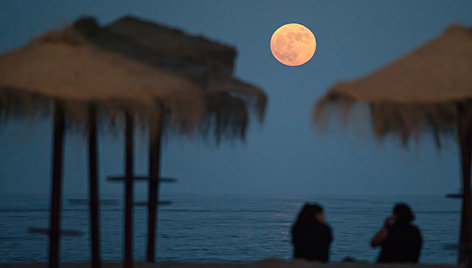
<point x="285" y="155"/>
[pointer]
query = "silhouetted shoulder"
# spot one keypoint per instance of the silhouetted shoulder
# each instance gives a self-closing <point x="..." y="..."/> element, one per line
<point x="326" y="231"/>
<point x="330" y="232"/>
<point x="417" y="232"/>
<point x="327" y="228"/>
<point x="416" y="228"/>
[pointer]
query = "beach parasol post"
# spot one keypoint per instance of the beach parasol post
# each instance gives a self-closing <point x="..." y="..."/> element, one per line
<point x="94" y="208"/>
<point x="464" y="128"/>
<point x="156" y="126"/>
<point x="56" y="191"/>
<point x="128" y="241"/>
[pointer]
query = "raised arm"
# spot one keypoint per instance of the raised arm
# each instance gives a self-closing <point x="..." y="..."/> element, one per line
<point x="381" y="235"/>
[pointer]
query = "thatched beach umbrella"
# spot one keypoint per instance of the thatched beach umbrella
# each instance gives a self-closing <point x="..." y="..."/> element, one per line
<point x="206" y="63"/>
<point x="427" y="89"/>
<point x="86" y="84"/>
<point x="90" y="73"/>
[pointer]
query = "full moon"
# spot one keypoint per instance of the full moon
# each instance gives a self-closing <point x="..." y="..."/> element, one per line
<point x="293" y="44"/>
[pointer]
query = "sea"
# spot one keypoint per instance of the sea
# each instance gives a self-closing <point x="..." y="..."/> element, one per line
<point x="223" y="228"/>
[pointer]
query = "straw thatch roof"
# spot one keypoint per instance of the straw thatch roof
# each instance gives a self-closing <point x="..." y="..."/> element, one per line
<point x="86" y="63"/>
<point x="207" y="63"/>
<point x="63" y="66"/>
<point x="418" y="91"/>
<point x="195" y="49"/>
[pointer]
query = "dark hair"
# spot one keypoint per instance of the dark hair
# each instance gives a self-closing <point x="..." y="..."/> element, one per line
<point x="307" y="214"/>
<point x="404" y="212"/>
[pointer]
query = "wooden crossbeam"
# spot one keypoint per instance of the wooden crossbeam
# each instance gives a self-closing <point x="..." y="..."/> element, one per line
<point x="140" y="178"/>
<point x="46" y="231"/>
<point x="454" y="195"/>
<point x="145" y="203"/>
<point x="105" y="202"/>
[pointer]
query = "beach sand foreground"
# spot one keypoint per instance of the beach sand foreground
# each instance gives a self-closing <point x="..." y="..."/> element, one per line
<point x="266" y="263"/>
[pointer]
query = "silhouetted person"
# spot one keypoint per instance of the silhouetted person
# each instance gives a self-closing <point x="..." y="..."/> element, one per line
<point x="311" y="237"/>
<point x="400" y="241"/>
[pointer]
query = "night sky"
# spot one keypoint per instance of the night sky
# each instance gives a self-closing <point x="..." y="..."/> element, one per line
<point x="285" y="155"/>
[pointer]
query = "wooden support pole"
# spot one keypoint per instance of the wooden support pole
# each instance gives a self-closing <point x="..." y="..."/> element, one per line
<point x="55" y="214"/>
<point x="465" y="143"/>
<point x="93" y="189"/>
<point x="128" y="241"/>
<point x="155" y="135"/>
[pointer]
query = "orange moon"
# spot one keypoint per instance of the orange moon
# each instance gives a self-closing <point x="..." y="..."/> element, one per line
<point x="293" y="44"/>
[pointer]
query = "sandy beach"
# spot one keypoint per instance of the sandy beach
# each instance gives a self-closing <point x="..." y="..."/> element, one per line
<point x="272" y="263"/>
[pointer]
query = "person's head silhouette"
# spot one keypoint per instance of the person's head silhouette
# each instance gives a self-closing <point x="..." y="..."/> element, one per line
<point x="309" y="214"/>
<point x="402" y="212"/>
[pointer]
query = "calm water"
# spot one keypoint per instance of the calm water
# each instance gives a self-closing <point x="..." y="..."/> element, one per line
<point x="217" y="228"/>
